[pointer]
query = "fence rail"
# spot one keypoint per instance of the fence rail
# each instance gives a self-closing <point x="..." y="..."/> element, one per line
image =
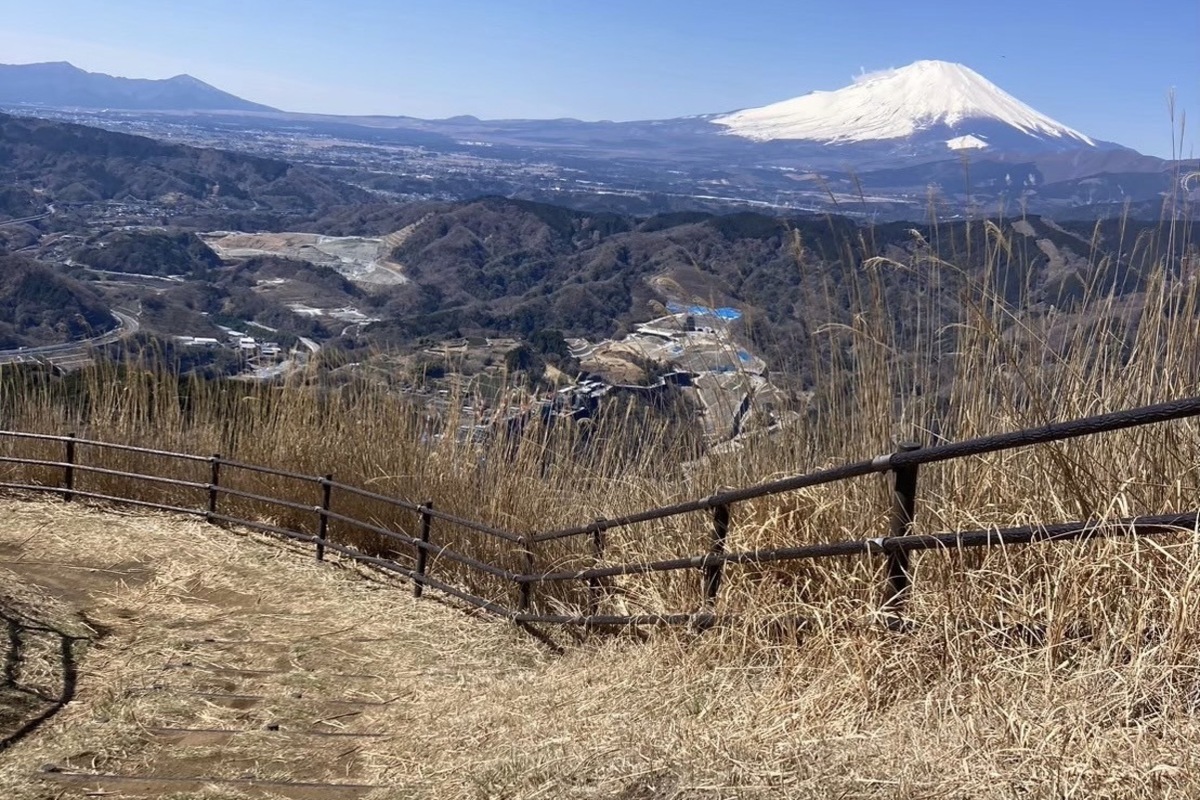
<point x="426" y="553"/>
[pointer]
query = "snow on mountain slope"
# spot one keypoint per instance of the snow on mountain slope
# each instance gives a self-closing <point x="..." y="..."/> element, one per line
<point x="967" y="142"/>
<point x="927" y="96"/>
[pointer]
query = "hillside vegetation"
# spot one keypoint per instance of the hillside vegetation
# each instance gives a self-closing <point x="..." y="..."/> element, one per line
<point x="505" y="267"/>
<point x="149" y="253"/>
<point x="68" y="163"/>
<point x="40" y="307"/>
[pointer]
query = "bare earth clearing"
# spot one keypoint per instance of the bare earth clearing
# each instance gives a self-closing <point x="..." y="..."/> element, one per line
<point x="362" y="259"/>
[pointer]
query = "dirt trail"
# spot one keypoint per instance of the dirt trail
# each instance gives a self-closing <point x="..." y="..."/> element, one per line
<point x="211" y="664"/>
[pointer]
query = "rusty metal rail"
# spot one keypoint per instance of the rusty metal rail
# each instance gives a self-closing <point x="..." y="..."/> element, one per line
<point x="1102" y="423"/>
<point x="597" y="580"/>
<point x="442" y="515"/>
<point x="1029" y="534"/>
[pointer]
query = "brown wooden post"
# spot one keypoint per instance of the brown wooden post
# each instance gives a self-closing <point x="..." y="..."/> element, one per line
<point x="423" y="551"/>
<point x="904" y="512"/>
<point x="69" y="469"/>
<point x="525" y="599"/>
<point x="214" y="481"/>
<point x="595" y="588"/>
<point x="323" y="515"/>
<point x="714" y="572"/>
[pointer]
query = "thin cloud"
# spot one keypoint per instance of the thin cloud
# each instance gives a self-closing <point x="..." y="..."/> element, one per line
<point x="863" y="75"/>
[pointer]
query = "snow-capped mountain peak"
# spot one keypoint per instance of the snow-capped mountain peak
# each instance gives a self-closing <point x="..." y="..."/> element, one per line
<point x="959" y="106"/>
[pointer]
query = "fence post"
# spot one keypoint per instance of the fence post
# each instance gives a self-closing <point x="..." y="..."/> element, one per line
<point x="423" y="551"/>
<point x="69" y="469"/>
<point x="594" y="586"/>
<point x="213" y="482"/>
<point x="904" y="512"/>
<point x="526" y="587"/>
<point x="714" y="572"/>
<point x="323" y="523"/>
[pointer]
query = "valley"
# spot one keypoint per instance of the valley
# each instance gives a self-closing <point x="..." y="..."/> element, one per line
<point x="499" y="308"/>
<point x="684" y="171"/>
<point x="424" y="253"/>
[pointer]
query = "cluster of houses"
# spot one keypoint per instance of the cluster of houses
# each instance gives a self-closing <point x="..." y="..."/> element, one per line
<point x="235" y="340"/>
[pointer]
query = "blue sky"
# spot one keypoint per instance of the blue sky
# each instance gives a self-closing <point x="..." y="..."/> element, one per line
<point x="1104" y="66"/>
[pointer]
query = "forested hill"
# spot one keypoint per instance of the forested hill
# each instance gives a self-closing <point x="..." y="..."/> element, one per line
<point x="45" y="162"/>
<point x="499" y="265"/>
<point x="40" y="307"/>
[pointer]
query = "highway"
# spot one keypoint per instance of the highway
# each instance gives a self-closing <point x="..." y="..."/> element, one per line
<point x="49" y="210"/>
<point x="67" y="352"/>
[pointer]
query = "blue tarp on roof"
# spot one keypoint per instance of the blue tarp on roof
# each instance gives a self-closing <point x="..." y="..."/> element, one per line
<point x="724" y="313"/>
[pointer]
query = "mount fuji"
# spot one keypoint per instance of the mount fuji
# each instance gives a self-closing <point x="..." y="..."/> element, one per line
<point x="928" y="105"/>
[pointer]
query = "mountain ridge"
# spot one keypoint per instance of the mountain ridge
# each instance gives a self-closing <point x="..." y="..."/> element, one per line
<point x="61" y="84"/>
<point x="55" y="162"/>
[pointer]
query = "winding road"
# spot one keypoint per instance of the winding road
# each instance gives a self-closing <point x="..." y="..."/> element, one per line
<point x="49" y="210"/>
<point x="67" y="352"/>
<point x="72" y="351"/>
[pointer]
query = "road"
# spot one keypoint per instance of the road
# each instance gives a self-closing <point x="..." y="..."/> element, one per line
<point x="72" y="351"/>
<point x="49" y="210"/>
<point x="68" y="352"/>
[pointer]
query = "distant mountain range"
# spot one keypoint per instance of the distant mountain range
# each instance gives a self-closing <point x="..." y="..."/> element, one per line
<point x="63" y="85"/>
<point x="885" y="146"/>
